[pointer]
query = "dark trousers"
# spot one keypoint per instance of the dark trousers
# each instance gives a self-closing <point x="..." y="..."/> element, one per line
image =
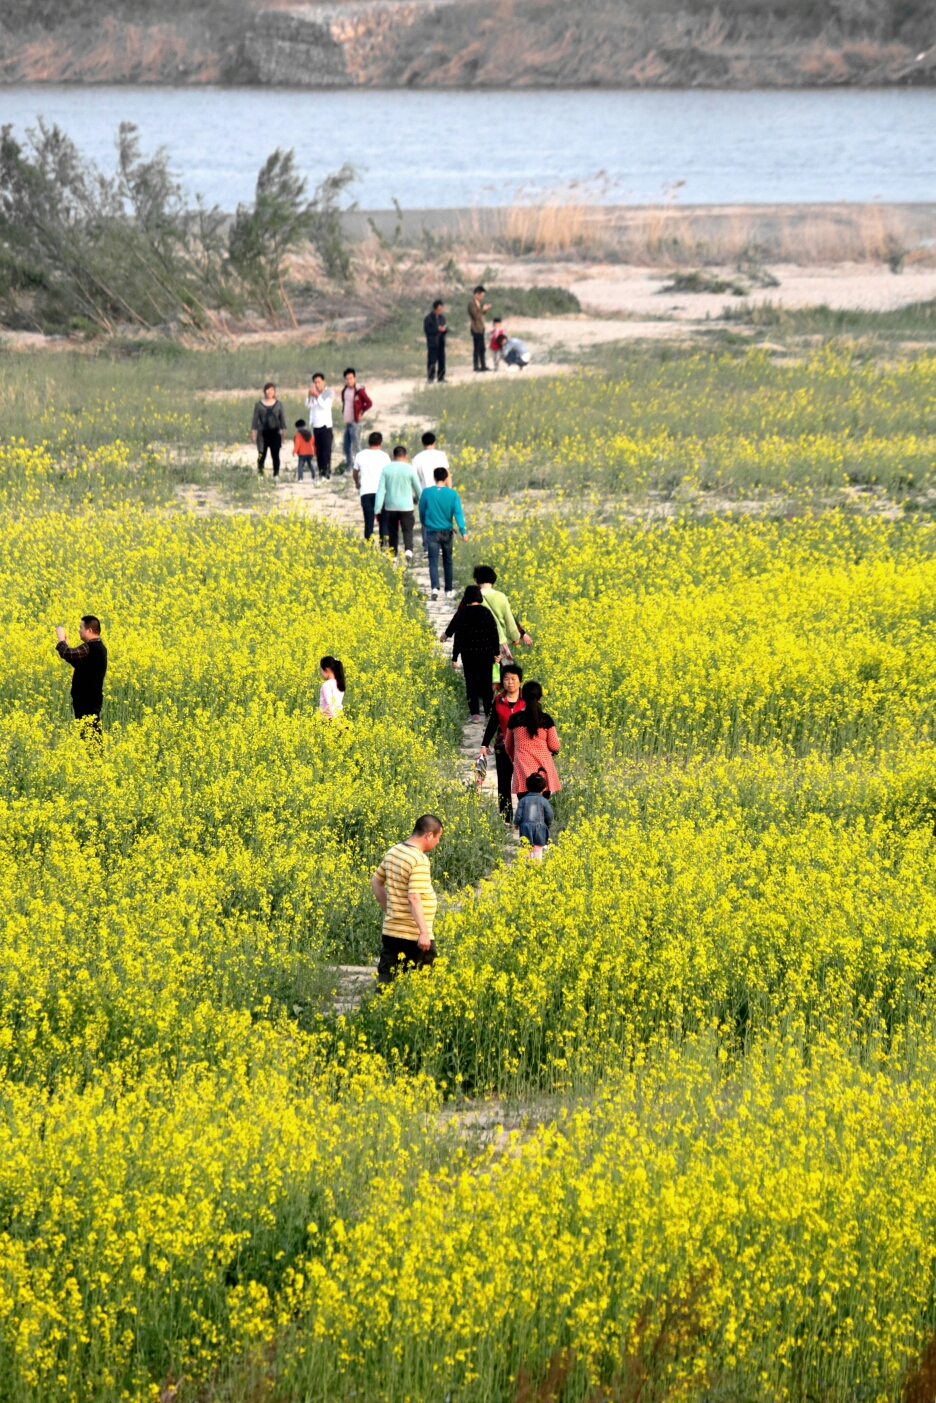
<point x="479" y="689"/>
<point x="272" y="442"/>
<point x="367" y="507"/>
<point x="396" y="520"/>
<point x="437" y="541"/>
<point x="323" y="450"/>
<point x="397" y="956"/>
<point x="435" y="359"/>
<point x="477" y="339"/>
<point x="504" y="781"/>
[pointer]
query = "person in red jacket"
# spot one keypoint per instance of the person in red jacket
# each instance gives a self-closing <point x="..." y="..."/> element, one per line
<point x="355" y="402"/>
<point x="498" y="342"/>
<point x="507" y="701"/>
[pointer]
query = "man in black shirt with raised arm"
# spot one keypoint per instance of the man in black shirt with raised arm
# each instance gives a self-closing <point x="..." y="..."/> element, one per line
<point x="89" y="661"/>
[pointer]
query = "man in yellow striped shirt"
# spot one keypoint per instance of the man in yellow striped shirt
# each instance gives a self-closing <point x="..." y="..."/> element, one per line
<point x="403" y="886"/>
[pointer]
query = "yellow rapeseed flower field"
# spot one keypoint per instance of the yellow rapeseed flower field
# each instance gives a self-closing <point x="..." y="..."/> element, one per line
<point x="708" y="1013"/>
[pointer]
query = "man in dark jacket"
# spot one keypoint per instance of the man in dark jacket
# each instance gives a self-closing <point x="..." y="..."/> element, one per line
<point x="89" y="661"/>
<point x="436" y="331"/>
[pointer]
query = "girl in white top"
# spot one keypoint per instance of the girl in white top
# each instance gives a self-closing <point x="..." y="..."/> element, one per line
<point x="331" y="696"/>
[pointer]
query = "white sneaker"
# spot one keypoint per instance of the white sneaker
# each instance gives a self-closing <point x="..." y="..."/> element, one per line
<point x="434" y="594"/>
<point x="450" y="594"/>
<point x="409" y="556"/>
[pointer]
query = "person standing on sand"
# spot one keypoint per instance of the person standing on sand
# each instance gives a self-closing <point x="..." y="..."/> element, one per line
<point x="498" y="341"/>
<point x="303" y="445"/>
<point x="267" y="428"/>
<point x="368" y="466"/>
<point x="436" y="331"/>
<point x="319" y="404"/>
<point x="355" y="402"/>
<point x="398" y="490"/>
<point x="403" y="886"/>
<point x="476" y="310"/>
<point x="89" y="663"/>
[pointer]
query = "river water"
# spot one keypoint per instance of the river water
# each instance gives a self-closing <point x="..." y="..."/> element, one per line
<point x="456" y="149"/>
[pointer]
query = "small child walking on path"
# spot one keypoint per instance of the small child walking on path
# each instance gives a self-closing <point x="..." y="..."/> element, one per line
<point x="533" y="816"/>
<point x="331" y="696"/>
<point x="303" y="448"/>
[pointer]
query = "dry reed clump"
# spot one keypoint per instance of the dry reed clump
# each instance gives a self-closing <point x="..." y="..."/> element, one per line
<point x="666" y="233"/>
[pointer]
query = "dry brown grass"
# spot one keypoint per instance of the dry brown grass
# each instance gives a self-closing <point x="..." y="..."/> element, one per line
<point x="667" y="234"/>
<point x="549" y="228"/>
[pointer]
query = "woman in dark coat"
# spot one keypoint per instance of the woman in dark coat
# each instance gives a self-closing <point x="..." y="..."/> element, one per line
<point x="477" y="643"/>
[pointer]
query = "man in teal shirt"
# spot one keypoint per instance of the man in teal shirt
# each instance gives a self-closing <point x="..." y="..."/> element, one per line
<point x="440" y="511"/>
<point x="397" y="490"/>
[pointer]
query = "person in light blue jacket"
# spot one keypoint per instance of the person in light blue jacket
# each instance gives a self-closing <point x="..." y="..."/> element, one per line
<point x="398" y="490"/>
<point x="534" y="814"/>
<point x="440" y="511"/>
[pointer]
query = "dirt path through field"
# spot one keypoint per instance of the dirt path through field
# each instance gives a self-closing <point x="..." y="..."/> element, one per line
<point x="355" y="980"/>
<point x="337" y="501"/>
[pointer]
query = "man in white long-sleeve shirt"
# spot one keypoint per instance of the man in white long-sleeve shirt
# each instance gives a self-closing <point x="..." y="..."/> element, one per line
<point x="319" y="405"/>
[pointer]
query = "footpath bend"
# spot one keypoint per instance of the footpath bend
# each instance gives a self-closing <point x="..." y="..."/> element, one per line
<point x="337" y="502"/>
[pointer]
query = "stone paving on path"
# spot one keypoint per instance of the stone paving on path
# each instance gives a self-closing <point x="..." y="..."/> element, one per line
<point x="341" y="507"/>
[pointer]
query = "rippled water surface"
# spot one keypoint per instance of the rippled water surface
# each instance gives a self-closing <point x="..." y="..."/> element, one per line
<point x="458" y="149"/>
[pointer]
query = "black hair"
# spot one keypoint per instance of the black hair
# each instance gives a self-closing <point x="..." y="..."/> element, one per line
<point x="440" y="474"/>
<point x="400" y="451"/>
<point x="350" y="370"/>
<point x="427" y="438"/>
<point x="480" y="288"/>
<point x="427" y="823"/>
<point x="511" y="667"/>
<point x="439" y="302"/>
<point x="92" y="622"/>
<point x="300" y="423"/>
<point x="269" y="386"/>
<point x="485" y="575"/>
<point x="337" y="667"/>
<point x="497" y="319"/>
<point x="532" y="715"/>
<point x="536" y="783"/>
<point x="472" y="595"/>
<point x="375" y="439"/>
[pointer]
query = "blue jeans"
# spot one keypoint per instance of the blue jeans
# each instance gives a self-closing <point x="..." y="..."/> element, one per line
<point x="305" y="464"/>
<point x="351" y="443"/>
<point x="440" y="541"/>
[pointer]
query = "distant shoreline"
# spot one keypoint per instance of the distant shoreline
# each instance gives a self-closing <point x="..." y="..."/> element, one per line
<point x="462" y="89"/>
<point x="465" y="45"/>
